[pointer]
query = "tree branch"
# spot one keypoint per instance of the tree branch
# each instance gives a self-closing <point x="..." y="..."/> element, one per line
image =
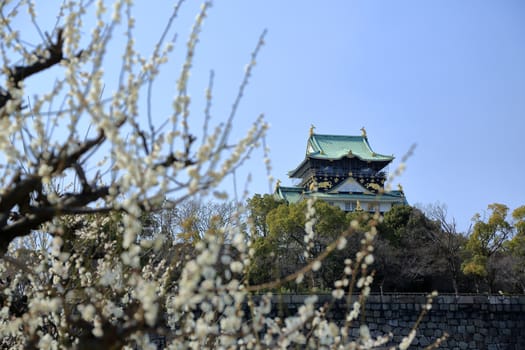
<point x="19" y="73"/>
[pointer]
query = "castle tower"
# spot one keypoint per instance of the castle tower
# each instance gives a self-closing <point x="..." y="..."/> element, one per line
<point x="344" y="171"/>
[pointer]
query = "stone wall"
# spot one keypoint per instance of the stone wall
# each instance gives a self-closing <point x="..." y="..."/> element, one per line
<point x="472" y="322"/>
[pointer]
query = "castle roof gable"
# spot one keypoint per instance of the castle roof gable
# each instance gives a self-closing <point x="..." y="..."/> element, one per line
<point x="350" y="185"/>
<point x="338" y="146"/>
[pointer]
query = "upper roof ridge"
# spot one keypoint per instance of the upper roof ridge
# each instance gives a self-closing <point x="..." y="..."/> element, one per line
<point x="329" y="146"/>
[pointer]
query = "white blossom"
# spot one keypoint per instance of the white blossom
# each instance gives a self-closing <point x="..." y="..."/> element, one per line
<point x="104" y="160"/>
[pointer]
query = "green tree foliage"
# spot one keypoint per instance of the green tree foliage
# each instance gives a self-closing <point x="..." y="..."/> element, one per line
<point x="395" y="222"/>
<point x="488" y="245"/>
<point x="258" y="207"/>
<point x="516" y="260"/>
<point x="487" y="238"/>
<point x="517" y="243"/>
<point x="407" y="257"/>
<point x="282" y="250"/>
<point x="518" y="215"/>
<point x="416" y="250"/>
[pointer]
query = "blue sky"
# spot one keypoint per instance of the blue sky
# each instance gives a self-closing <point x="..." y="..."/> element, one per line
<point x="447" y="75"/>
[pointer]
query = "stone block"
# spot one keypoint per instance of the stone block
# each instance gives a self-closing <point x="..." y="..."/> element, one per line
<point x="477" y="324"/>
<point x="452" y="321"/>
<point x="505" y="331"/>
<point x="420" y="299"/>
<point x="478" y="299"/>
<point x="463" y="345"/>
<point x="298" y="299"/>
<point x="465" y="299"/>
<point x="428" y="332"/>
<point x="493" y="299"/>
<point x="424" y="341"/>
<point x="374" y="306"/>
<point x="393" y="323"/>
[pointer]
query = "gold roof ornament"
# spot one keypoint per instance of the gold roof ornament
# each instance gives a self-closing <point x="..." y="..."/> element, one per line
<point x="277" y="184"/>
<point x="400" y="188"/>
<point x="312" y="128"/>
<point x="358" y="206"/>
<point x="324" y="184"/>
<point x="363" y="131"/>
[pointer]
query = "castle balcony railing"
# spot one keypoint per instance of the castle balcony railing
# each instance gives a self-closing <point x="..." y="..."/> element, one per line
<point x="343" y="173"/>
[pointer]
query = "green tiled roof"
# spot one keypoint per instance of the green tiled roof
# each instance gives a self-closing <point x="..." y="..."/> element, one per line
<point x="290" y="194"/>
<point x="339" y="146"/>
<point x="295" y="194"/>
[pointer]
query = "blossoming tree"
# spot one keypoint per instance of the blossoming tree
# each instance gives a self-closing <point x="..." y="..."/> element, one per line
<point x="84" y="162"/>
